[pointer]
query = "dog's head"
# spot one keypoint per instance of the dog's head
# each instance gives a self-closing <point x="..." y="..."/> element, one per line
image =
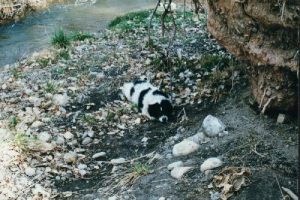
<point x="161" y="111"/>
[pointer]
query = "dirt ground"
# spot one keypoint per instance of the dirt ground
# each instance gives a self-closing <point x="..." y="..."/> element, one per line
<point x="275" y="156"/>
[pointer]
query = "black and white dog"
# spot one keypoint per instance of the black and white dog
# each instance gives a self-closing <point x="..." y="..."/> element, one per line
<point x="150" y="100"/>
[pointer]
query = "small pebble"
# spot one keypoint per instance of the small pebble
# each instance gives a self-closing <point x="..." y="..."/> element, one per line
<point x="178" y="172"/>
<point x="98" y="155"/>
<point x="87" y="140"/>
<point x="29" y="171"/>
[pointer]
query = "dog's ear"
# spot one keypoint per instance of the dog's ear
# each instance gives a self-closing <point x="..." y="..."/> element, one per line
<point x="154" y="110"/>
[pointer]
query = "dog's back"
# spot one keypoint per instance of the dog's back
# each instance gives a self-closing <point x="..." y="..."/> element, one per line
<point x="149" y="99"/>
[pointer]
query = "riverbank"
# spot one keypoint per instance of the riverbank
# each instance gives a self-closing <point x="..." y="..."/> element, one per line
<point x="64" y="124"/>
<point x="12" y="11"/>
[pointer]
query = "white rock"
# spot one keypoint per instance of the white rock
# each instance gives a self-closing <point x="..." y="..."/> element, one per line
<point x="112" y="198"/>
<point x="29" y="171"/>
<point x="82" y="172"/>
<point x="82" y="166"/>
<point x="175" y="164"/>
<point x="4" y="134"/>
<point x="44" y="136"/>
<point x="212" y="126"/>
<point x="4" y="86"/>
<point x="117" y="161"/>
<point x="60" y="140"/>
<point x="68" y="135"/>
<point x="60" y="100"/>
<point x="98" y="155"/>
<point x="211" y="163"/>
<point x="36" y="124"/>
<point x="36" y="101"/>
<point x="199" y="138"/>
<point x="281" y="118"/>
<point x="138" y="120"/>
<point x="162" y="198"/>
<point x="184" y="148"/>
<point x="87" y="140"/>
<point x="90" y="133"/>
<point x="70" y="157"/>
<point x="40" y="191"/>
<point x="178" y="172"/>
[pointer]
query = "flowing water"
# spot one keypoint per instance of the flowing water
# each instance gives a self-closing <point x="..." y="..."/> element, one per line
<point x="34" y="32"/>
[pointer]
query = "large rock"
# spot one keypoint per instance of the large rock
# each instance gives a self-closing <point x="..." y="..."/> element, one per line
<point x="263" y="33"/>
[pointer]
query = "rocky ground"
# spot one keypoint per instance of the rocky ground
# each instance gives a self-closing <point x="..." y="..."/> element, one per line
<point x="68" y="133"/>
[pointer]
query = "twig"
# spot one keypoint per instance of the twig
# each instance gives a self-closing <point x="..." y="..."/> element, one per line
<point x="184" y="2"/>
<point x="263" y="96"/>
<point x="150" y="22"/>
<point x="184" y="117"/>
<point x="144" y="156"/>
<point x="268" y="102"/>
<point x="254" y="151"/>
<point x="279" y="186"/>
<point x="290" y="193"/>
<point x="282" y="10"/>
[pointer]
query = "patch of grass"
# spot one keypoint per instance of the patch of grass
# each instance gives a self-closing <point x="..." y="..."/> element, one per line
<point x="130" y="21"/>
<point x="57" y="71"/>
<point x="139" y="16"/>
<point x="50" y="87"/>
<point x="140" y="169"/>
<point x="43" y="62"/>
<point x="13" y="122"/>
<point x="60" y="39"/>
<point x="81" y="36"/>
<point x="64" y="54"/>
<point x="91" y="120"/>
<point x="21" y="141"/>
<point x="16" y="73"/>
<point x="110" y="116"/>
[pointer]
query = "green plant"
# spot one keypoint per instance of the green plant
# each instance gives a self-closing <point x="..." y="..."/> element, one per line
<point x="60" y="39"/>
<point x="137" y="17"/>
<point x="110" y="116"/>
<point x="50" y="87"/>
<point x="91" y="120"/>
<point x="21" y="141"/>
<point x="43" y="62"/>
<point x="64" y="54"/>
<point x="13" y="122"/>
<point x="80" y="36"/>
<point x="16" y="73"/>
<point x="140" y="169"/>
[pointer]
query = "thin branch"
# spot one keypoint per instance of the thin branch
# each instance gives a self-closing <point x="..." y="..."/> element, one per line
<point x="279" y="187"/>
<point x="266" y="105"/>
<point x="290" y="193"/>
<point x="150" y="22"/>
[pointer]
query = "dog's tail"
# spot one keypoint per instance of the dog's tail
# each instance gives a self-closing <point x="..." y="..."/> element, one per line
<point x="127" y="90"/>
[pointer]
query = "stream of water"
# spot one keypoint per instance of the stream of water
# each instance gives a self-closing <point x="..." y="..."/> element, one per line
<point x="34" y="32"/>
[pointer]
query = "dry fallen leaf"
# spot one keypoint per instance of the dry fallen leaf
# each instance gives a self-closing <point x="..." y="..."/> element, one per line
<point x="231" y="179"/>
